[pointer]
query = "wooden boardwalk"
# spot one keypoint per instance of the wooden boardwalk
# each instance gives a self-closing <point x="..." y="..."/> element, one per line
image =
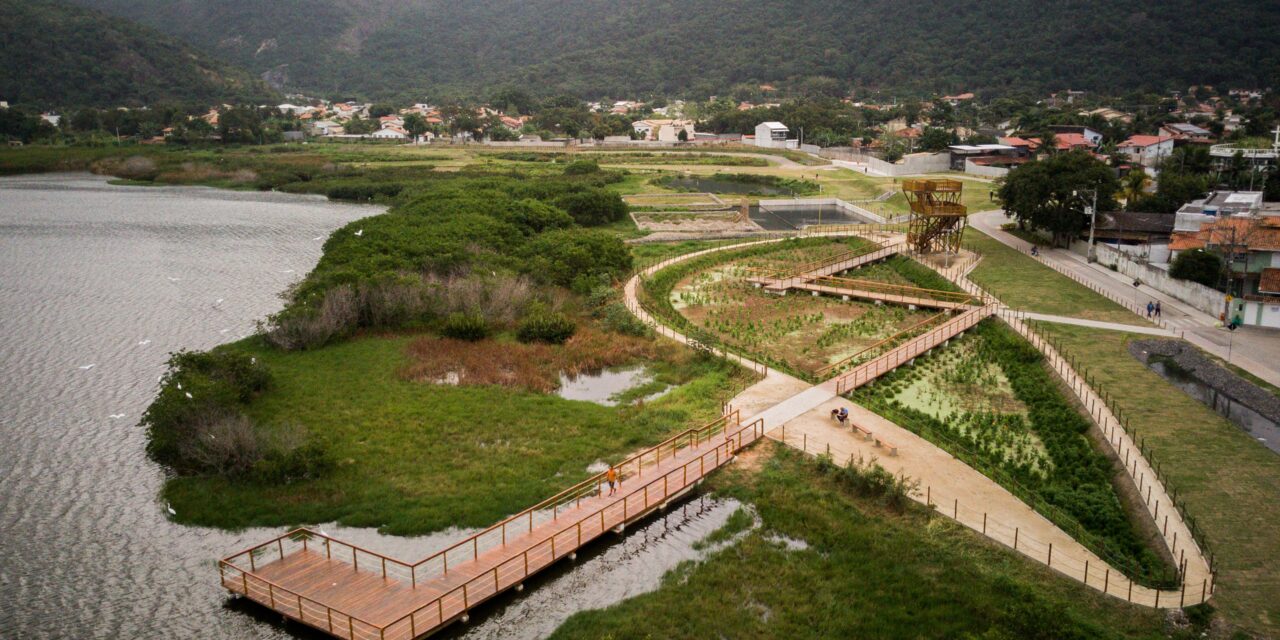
<point x="780" y="282"/>
<point x="894" y="358"/>
<point x="357" y="594"/>
<point x="885" y="292"/>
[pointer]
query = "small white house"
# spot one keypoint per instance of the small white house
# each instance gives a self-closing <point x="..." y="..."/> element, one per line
<point x="1147" y="151"/>
<point x="773" y="135"/>
<point x="390" y="133"/>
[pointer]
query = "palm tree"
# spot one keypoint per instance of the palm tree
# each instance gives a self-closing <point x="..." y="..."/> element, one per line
<point x="1134" y="185"/>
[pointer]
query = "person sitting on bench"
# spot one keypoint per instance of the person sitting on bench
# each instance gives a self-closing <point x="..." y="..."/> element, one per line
<point x="842" y="416"/>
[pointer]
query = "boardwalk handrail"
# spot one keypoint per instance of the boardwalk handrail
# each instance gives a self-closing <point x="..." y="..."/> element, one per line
<point x="874" y="368"/>
<point x="731" y="443"/>
<point x="633" y="465"/>
<point x="900" y="290"/>
<point x="836" y="365"/>
<point x="800" y="270"/>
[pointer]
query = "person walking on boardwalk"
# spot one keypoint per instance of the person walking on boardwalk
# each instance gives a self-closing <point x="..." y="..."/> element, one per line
<point x="612" y="477"/>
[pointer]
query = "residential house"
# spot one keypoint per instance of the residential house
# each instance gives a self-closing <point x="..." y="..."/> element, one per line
<point x="391" y="132"/>
<point x="1109" y="114"/>
<point x="1186" y="133"/>
<point x="664" y="130"/>
<point x="1250" y="245"/>
<point x="1135" y="232"/>
<point x="1091" y="135"/>
<point x="1022" y="147"/>
<point x="992" y="155"/>
<point x="773" y="135"/>
<point x="51" y="118"/>
<point x="326" y="128"/>
<point x="1147" y="151"/>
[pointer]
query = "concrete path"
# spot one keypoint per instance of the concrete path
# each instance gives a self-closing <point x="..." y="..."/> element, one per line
<point x="1098" y="324"/>
<point x="1253" y="349"/>
<point x="798" y="415"/>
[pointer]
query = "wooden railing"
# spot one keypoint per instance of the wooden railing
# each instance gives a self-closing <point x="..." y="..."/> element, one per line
<point x="238" y="572"/>
<point x="896" y="292"/>
<point x="802" y="270"/>
<point x="891" y="360"/>
<point x="835" y="366"/>
<point x="512" y="571"/>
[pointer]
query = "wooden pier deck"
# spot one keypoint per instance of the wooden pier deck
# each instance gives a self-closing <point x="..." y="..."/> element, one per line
<point x="779" y="282"/>
<point x="357" y="594"/>
<point x="891" y="360"/>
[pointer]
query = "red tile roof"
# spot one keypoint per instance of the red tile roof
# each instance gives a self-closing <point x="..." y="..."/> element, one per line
<point x="1270" y="281"/>
<point x="1143" y="141"/>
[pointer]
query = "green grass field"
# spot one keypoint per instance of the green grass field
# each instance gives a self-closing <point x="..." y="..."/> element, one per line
<point x="417" y="457"/>
<point x="868" y="572"/>
<point x="1231" y="484"/>
<point x="1022" y="283"/>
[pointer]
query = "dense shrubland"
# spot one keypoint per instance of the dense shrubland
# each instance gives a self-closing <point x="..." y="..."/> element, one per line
<point x="466" y="255"/>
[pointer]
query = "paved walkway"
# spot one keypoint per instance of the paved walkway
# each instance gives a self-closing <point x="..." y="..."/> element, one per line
<point x="799" y="415"/>
<point x="1253" y="349"/>
<point x="1098" y="324"/>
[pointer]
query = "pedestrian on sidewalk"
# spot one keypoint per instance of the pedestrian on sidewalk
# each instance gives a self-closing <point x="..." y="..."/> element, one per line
<point x="1157" y="308"/>
<point x="612" y="477"/>
<point x="1151" y="309"/>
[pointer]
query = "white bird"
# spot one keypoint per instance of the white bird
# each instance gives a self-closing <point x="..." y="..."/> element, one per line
<point x="168" y="507"/>
<point x="189" y="395"/>
<point x="360" y="233"/>
<point x="253" y="360"/>
<point x="179" y="386"/>
<point x="144" y="343"/>
<point x="219" y="300"/>
<point x="86" y="367"/>
<point x="224" y="331"/>
<point x="318" y="238"/>
<point x="116" y="416"/>
<point x="171" y="279"/>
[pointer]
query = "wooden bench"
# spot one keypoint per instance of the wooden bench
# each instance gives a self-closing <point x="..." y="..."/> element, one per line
<point x="885" y="444"/>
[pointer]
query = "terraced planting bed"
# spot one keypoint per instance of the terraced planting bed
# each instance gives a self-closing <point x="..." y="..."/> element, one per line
<point x="801" y="333"/>
<point x="988" y="399"/>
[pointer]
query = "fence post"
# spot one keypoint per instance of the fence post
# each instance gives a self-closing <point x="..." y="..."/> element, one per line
<point x="1015" y="538"/>
<point x="1050" y="562"/>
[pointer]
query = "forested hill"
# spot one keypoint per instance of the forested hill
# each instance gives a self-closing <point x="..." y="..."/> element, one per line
<point x="380" y="48"/>
<point x="54" y="54"/>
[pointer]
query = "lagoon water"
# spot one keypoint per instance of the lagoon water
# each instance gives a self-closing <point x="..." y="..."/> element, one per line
<point x="97" y="284"/>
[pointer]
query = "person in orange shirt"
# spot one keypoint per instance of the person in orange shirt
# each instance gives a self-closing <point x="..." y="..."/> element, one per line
<point x="612" y="477"/>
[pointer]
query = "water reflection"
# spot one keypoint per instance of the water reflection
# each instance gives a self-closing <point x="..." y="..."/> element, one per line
<point x="1265" y="430"/>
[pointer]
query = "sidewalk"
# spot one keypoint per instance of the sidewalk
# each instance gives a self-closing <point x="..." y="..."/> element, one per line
<point x="1253" y="349"/>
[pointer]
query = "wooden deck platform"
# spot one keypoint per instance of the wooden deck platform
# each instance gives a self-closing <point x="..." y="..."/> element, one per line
<point x="353" y="593"/>
<point x="884" y="292"/>
<point x="891" y="360"/>
<point x="828" y="267"/>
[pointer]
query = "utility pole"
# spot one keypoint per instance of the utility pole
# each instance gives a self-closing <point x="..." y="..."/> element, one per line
<point x="1092" y="212"/>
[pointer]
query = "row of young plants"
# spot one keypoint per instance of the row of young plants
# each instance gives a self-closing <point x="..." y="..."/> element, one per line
<point x="1074" y="491"/>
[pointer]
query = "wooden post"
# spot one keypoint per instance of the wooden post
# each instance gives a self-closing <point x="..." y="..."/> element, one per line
<point x="329" y="613"/>
<point x="1086" y="571"/>
<point x="355" y="560"/>
<point x="955" y="510"/>
<point x="271" y="593"/>
<point x="984" y="523"/>
<point x="1106" y="580"/>
<point x="384" y="568"/>
<point x="1050" y="562"/>
<point x="1130" y="596"/>
<point x="1015" y="538"/>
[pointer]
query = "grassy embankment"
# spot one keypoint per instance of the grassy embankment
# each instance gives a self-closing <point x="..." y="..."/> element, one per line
<point x="990" y="401"/>
<point x="413" y="457"/>
<point x="868" y="572"/>
<point x="1229" y="482"/>
<point x="1023" y="283"/>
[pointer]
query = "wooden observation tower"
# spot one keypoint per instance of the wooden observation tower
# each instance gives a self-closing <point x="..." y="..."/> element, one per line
<point x="937" y="217"/>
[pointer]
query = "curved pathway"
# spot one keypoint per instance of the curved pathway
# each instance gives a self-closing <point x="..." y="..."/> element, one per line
<point x="797" y="414"/>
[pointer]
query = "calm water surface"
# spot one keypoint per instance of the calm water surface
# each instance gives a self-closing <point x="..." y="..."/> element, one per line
<point x="116" y="278"/>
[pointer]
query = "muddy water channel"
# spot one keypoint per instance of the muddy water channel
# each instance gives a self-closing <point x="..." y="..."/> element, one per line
<point x="98" y="284"/>
<point x="1263" y="429"/>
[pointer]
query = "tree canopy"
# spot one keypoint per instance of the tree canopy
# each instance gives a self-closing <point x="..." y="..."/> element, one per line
<point x="1051" y="194"/>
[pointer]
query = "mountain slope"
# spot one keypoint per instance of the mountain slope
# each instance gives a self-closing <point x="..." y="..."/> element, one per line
<point x="60" y="55"/>
<point x="595" y="47"/>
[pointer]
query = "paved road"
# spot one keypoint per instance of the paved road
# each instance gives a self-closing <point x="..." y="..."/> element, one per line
<point x="1253" y="349"/>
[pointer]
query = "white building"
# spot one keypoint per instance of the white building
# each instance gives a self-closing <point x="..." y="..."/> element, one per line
<point x="391" y="132"/>
<point x="773" y="135"/>
<point x="1147" y="151"/>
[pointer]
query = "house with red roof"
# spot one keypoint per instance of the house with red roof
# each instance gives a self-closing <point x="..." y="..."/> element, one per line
<point x="1147" y="150"/>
